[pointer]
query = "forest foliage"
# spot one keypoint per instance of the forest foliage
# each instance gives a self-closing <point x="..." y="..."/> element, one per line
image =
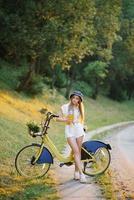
<point x="86" y="45"/>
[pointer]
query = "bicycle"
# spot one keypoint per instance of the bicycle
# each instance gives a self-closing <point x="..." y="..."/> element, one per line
<point x="34" y="160"/>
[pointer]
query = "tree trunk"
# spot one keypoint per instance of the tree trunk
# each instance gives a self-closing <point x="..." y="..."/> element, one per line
<point x="38" y="66"/>
<point x="70" y="79"/>
<point x="27" y="79"/>
<point x="130" y="94"/>
<point x="68" y="89"/>
<point x="53" y="79"/>
<point x="17" y="58"/>
<point x="96" y="89"/>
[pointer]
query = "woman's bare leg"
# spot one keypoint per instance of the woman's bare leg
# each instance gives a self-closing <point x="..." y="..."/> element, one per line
<point x="79" y="141"/>
<point x="77" y="157"/>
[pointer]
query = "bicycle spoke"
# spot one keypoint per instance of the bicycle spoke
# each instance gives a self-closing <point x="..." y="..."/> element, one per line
<point x="25" y="165"/>
<point x="99" y="164"/>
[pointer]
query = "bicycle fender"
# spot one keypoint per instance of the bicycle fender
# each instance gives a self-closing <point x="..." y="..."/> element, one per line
<point x="45" y="156"/>
<point x="93" y="145"/>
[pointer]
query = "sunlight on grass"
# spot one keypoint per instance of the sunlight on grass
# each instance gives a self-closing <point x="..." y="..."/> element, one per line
<point x="17" y="187"/>
<point x="111" y="190"/>
<point x="16" y="110"/>
<point x="19" y="110"/>
<point x="107" y="188"/>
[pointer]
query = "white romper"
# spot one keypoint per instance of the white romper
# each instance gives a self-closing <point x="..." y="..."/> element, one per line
<point x="74" y="129"/>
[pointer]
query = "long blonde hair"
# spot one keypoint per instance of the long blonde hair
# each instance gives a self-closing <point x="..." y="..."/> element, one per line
<point x="82" y="112"/>
<point x="81" y="109"/>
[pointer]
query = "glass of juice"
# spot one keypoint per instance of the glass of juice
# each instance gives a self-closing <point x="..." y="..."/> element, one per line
<point x="70" y="117"/>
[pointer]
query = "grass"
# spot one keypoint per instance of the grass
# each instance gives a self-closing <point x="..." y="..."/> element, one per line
<point x="105" y="112"/>
<point x="107" y="188"/>
<point x="17" y="109"/>
<point x="17" y="188"/>
<point x="13" y="186"/>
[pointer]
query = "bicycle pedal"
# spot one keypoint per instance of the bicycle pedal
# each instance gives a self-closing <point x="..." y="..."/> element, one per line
<point x="61" y="164"/>
<point x="32" y="160"/>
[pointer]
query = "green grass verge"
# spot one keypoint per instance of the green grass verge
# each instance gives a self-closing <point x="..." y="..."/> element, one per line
<point x="104" y="112"/>
<point x="20" y="188"/>
<point x="12" y="186"/>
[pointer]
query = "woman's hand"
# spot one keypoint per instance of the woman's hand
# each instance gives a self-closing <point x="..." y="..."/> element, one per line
<point x="63" y="119"/>
<point x="76" y="121"/>
<point x="69" y="120"/>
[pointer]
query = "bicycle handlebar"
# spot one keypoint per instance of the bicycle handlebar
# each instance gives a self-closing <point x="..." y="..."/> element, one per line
<point x="45" y="125"/>
<point x="51" y="115"/>
<point x="56" y="116"/>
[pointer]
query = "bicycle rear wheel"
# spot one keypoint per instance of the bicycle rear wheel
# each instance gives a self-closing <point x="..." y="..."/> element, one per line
<point x="101" y="162"/>
<point x="24" y="162"/>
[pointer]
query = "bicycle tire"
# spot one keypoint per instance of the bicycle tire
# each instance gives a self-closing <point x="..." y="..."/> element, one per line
<point x="24" y="165"/>
<point x="99" y="166"/>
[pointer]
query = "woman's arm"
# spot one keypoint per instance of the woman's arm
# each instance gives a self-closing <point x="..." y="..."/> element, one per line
<point x="61" y="118"/>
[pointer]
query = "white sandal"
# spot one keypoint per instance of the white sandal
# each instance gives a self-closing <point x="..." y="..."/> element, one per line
<point x="83" y="178"/>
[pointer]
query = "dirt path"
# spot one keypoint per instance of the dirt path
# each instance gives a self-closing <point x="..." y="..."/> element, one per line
<point x="70" y="189"/>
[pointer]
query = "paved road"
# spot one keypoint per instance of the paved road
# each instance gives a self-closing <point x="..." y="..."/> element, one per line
<point x="122" y="163"/>
<point x="126" y="143"/>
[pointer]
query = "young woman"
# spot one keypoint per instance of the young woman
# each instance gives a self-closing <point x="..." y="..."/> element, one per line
<point x="72" y="114"/>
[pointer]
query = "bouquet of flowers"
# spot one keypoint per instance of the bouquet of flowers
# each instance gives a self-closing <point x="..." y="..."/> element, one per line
<point x="33" y="127"/>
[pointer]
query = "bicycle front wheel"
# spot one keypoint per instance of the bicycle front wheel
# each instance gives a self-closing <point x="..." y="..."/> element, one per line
<point x="100" y="163"/>
<point x="24" y="162"/>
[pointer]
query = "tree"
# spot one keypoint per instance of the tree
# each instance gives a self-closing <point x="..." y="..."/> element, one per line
<point x="59" y="31"/>
<point x="107" y="26"/>
<point x="50" y="33"/>
<point x="121" y="70"/>
<point x="95" y="73"/>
